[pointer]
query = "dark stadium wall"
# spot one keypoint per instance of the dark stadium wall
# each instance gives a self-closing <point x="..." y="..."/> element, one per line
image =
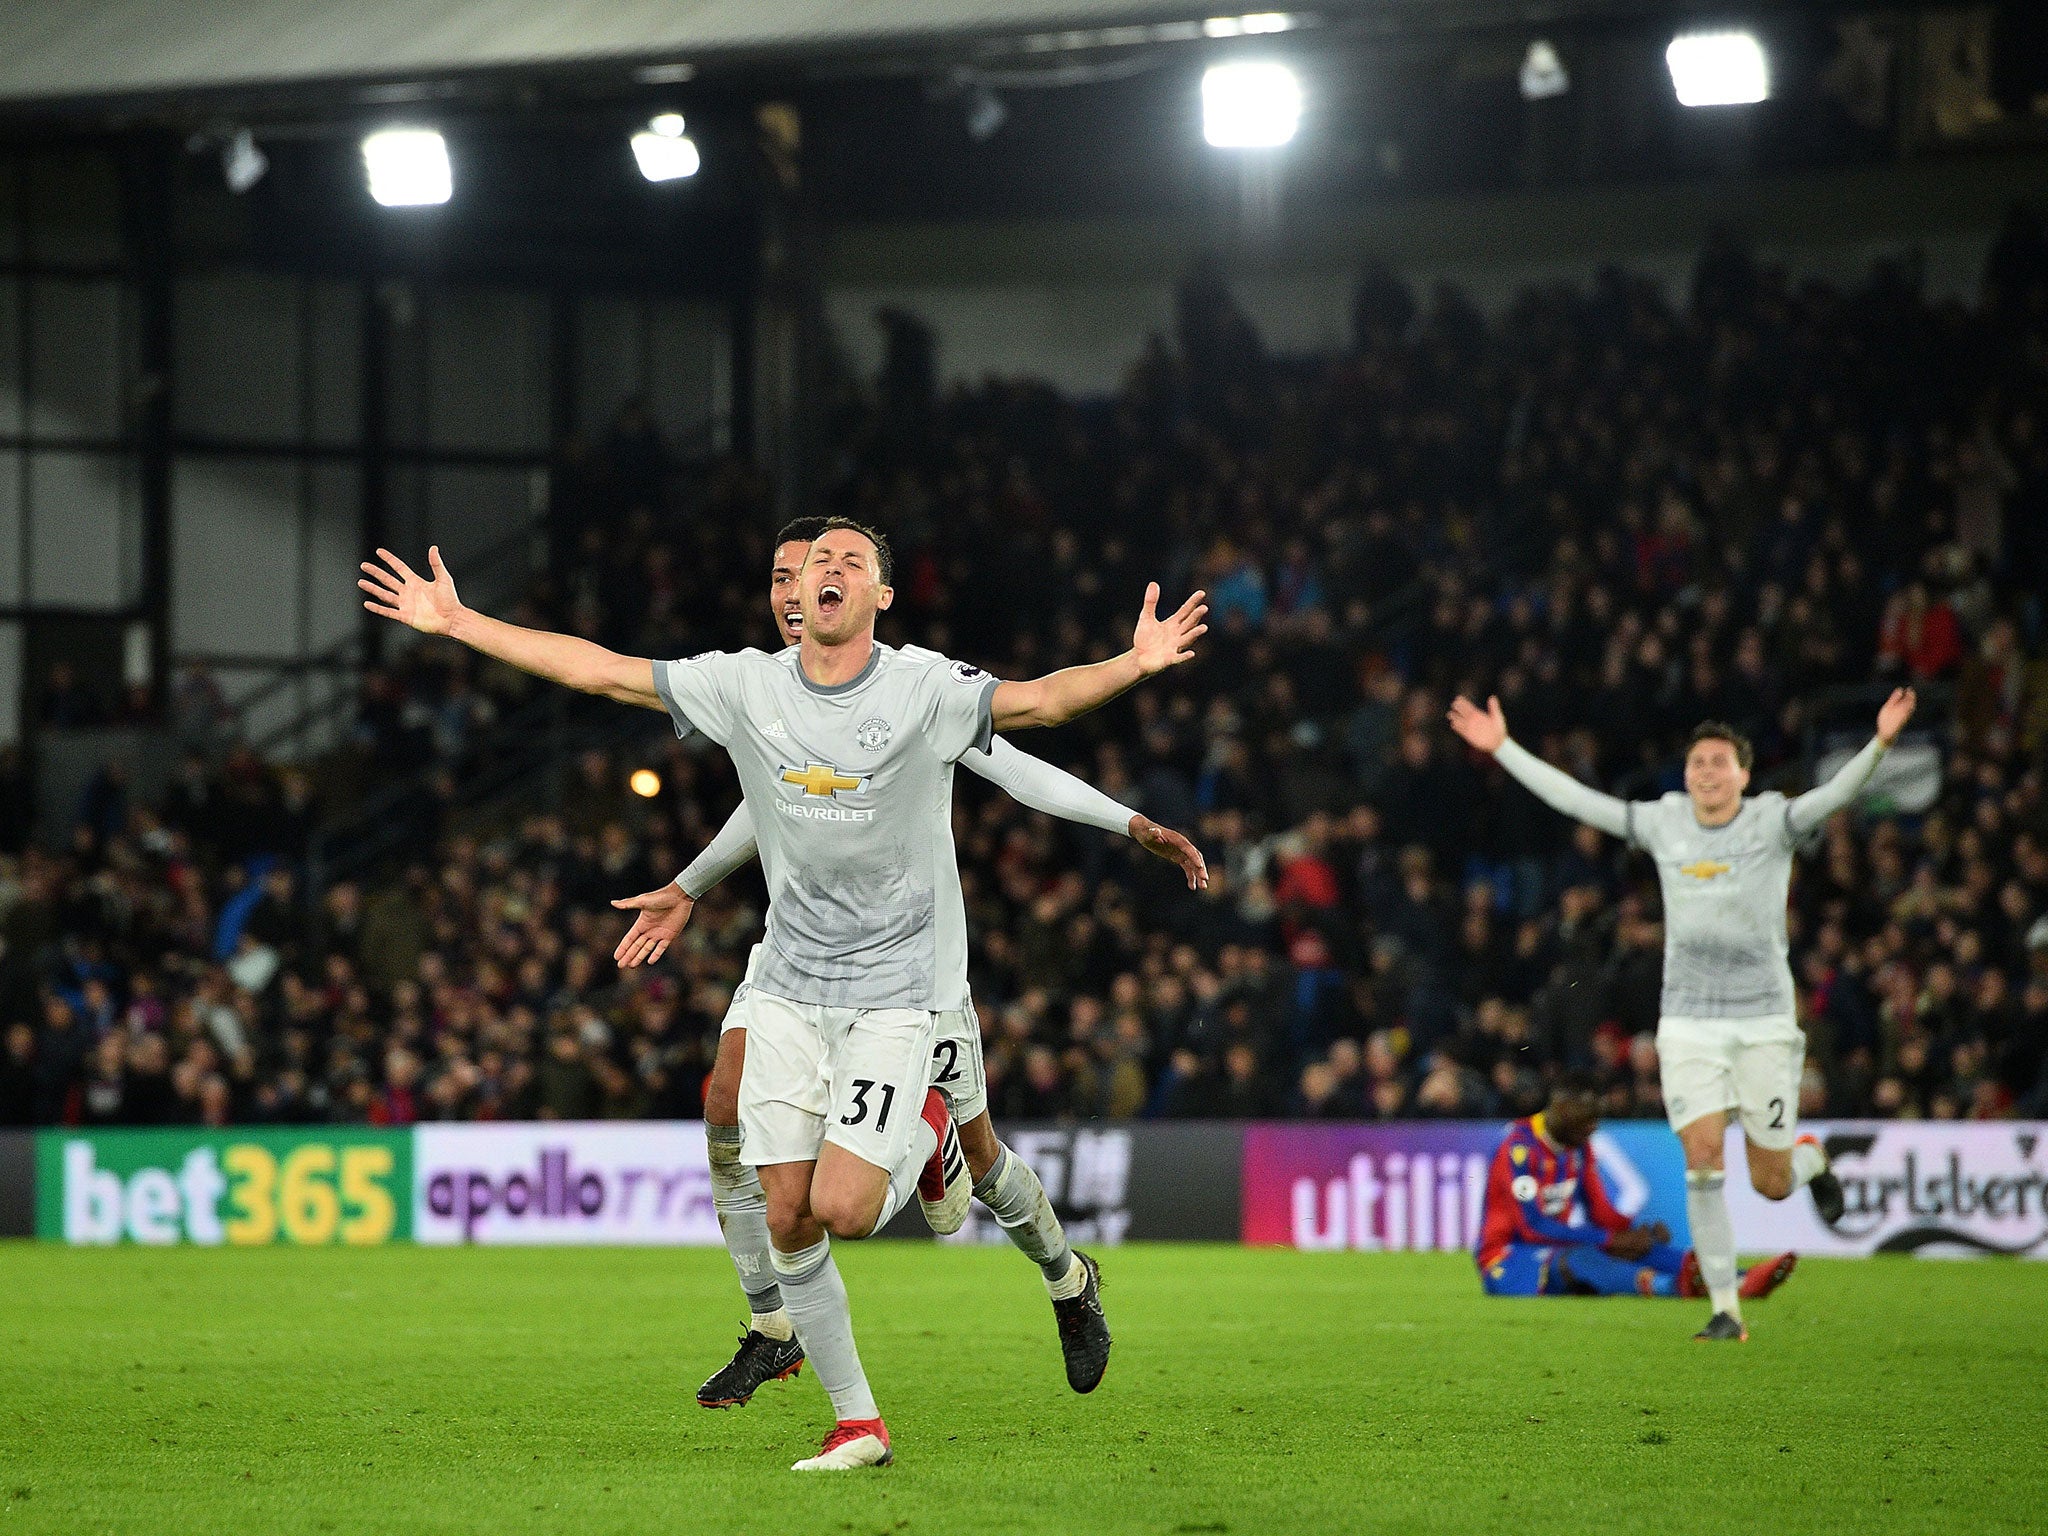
<point x="1074" y="301"/>
<point x="17" y="1184"/>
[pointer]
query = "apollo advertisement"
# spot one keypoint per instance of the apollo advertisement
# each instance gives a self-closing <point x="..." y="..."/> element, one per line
<point x="1937" y="1188"/>
<point x="563" y="1182"/>
<point x="339" y="1184"/>
<point x="1418" y="1186"/>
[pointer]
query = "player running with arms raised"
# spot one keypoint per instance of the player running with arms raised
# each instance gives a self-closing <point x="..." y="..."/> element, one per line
<point x="1728" y="1035"/>
<point x="1549" y="1228"/>
<point x="842" y="747"/>
<point x="1003" y="1182"/>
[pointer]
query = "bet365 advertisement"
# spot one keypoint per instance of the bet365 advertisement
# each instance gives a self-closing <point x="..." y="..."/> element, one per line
<point x="309" y="1187"/>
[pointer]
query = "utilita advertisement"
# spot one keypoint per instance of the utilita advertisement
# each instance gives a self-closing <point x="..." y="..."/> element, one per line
<point x="1406" y="1186"/>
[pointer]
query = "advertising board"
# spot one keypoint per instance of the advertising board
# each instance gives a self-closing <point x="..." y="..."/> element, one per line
<point x="1422" y="1185"/>
<point x="1937" y="1188"/>
<point x="334" y="1184"/>
<point x="557" y="1181"/>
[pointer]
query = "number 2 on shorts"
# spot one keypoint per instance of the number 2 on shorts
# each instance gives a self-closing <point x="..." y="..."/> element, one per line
<point x="862" y="1086"/>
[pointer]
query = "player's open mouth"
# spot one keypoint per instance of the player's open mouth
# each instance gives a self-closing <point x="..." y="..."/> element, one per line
<point x="830" y="597"/>
<point x="793" y="617"/>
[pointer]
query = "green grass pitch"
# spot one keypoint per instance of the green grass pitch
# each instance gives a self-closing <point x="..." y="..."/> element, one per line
<point x="499" y="1391"/>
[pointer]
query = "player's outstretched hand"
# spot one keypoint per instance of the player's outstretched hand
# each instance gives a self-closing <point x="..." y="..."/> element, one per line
<point x="1898" y="709"/>
<point x="663" y="914"/>
<point x="1161" y="643"/>
<point x="399" y="592"/>
<point x="1172" y="847"/>
<point x="1484" y="729"/>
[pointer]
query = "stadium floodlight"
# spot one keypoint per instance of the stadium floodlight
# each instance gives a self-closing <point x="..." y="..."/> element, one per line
<point x="1718" y="69"/>
<point x="986" y="114"/>
<point x="1256" y="25"/>
<point x="242" y="161"/>
<point x="408" y="167"/>
<point x="1543" y="72"/>
<point x="1250" y="104"/>
<point x="645" y="783"/>
<point x="664" y="151"/>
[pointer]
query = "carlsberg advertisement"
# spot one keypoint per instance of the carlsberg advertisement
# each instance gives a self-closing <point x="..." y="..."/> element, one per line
<point x="1938" y="1188"/>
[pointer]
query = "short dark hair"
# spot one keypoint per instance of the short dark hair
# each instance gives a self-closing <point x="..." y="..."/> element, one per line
<point x="875" y="536"/>
<point x="1575" y="1083"/>
<point x="800" y="530"/>
<point x="1721" y="730"/>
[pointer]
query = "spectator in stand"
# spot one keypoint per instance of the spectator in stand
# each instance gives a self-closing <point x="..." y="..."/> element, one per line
<point x="1920" y="636"/>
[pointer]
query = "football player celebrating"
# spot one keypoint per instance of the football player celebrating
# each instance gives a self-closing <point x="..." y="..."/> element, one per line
<point x="1002" y="1181"/>
<point x="1728" y="1037"/>
<point x="843" y="747"/>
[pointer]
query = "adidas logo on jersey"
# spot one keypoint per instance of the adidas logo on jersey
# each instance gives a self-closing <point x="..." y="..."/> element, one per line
<point x="775" y="730"/>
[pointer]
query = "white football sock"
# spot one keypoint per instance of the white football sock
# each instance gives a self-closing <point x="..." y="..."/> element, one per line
<point x="1072" y="1283"/>
<point x="742" y="1208"/>
<point x="1713" y="1236"/>
<point x="815" y="1297"/>
<point x="1017" y="1200"/>
<point x="1808" y="1162"/>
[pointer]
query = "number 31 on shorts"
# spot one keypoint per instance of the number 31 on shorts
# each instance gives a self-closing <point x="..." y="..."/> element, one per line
<point x="862" y="1087"/>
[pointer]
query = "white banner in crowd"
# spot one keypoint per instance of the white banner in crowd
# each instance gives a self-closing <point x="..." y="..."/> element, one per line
<point x="563" y="1182"/>
<point x="1937" y="1188"/>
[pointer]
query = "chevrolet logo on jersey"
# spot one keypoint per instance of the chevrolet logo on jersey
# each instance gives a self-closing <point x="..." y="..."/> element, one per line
<point x="1705" y="869"/>
<point x="817" y="779"/>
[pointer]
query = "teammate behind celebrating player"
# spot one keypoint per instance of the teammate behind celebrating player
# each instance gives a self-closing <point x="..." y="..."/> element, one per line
<point x="841" y="747"/>
<point x="1550" y="1229"/>
<point x="769" y="1350"/>
<point x="1728" y="1037"/>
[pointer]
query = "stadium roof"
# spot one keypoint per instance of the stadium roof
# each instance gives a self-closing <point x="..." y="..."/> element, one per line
<point x="66" y="51"/>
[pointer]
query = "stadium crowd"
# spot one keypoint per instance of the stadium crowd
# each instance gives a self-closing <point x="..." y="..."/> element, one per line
<point x="1620" y="512"/>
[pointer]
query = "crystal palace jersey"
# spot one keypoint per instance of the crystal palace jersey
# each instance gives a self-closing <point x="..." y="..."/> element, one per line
<point x="1542" y="1193"/>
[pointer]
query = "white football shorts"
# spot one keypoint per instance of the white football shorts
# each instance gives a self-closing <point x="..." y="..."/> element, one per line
<point x="1751" y="1066"/>
<point x="736" y="1010"/>
<point x="956" y="1064"/>
<point x="855" y="1077"/>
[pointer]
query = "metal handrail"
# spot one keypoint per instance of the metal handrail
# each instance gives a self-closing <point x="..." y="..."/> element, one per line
<point x="348" y="656"/>
<point x="541" y="734"/>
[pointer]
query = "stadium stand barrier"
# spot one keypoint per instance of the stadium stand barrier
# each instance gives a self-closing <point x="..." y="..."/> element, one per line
<point x="1912" y="1187"/>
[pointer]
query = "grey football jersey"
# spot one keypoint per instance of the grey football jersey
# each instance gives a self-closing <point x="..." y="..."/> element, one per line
<point x="1726" y="953"/>
<point x="850" y="788"/>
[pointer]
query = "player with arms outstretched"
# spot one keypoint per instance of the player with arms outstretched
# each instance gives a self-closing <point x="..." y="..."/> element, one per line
<point x="842" y="747"/>
<point x="1002" y="1181"/>
<point x="1728" y="1036"/>
<point x="1550" y="1228"/>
